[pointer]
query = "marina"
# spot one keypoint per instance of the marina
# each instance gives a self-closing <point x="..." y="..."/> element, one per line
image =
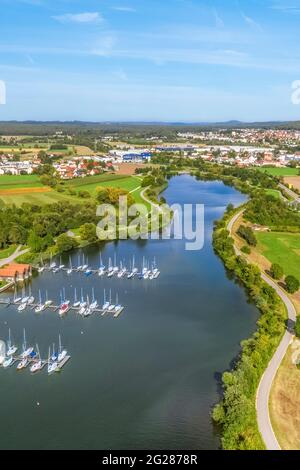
<point x="30" y="357"/>
<point x="148" y="270"/>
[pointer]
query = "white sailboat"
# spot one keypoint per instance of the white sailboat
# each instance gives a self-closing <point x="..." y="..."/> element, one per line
<point x="8" y="362"/>
<point x="70" y="270"/>
<point x="22" y="307"/>
<point x="105" y="303"/>
<point x="48" y="302"/>
<point x="38" y="365"/>
<point x="94" y="303"/>
<point x="118" y="306"/>
<point x="22" y="364"/>
<point x="76" y="303"/>
<point x="116" y="267"/>
<point x="40" y="307"/>
<point x="111" y="306"/>
<point x="52" y="365"/>
<point x="101" y="266"/>
<point x="11" y="348"/>
<point x="26" y="351"/>
<point x="88" y="310"/>
<point x="62" y="353"/>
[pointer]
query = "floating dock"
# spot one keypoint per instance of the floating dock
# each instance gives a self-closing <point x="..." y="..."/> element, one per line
<point x="17" y="359"/>
<point x="55" y="308"/>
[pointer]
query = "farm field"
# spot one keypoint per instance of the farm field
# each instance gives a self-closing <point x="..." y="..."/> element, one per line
<point x="280" y="171"/>
<point x="281" y="248"/>
<point x="294" y="181"/>
<point x="274" y="192"/>
<point x="285" y="402"/>
<point x="39" y="198"/>
<point x="23" y="181"/>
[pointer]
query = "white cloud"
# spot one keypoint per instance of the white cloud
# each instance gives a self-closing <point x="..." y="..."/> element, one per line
<point x="87" y="17"/>
<point x="251" y="22"/>
<point x="292" y="7"/>
<point x="126" y="9"/>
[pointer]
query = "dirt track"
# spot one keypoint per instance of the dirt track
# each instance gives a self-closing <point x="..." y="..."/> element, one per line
<point x="293" y="180"/>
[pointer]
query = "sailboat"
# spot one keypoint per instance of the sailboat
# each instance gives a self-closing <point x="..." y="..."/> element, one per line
<point x="122" y="270"/>
<point x="22" y="364"/>
<point x="111" y="306"/>
<point x="76" y="303"/>
<point x="70" y="270"/>
<point x="61" y="352"/>
<point x="48" y="302"/>
<point x="134" y="269"/>
<point x="16" y="299"/>
<point x="88" y="310"/>
<point x="11" y="348"/>
<point x="22" y="306"/>
<point x="105" y="303"/>
<point x="8" y="362"/>
<point x="79" y="267"/>
<point x="101" y="267"/>
<point x="65" y="304"/>
<point x="52" y="365"/>
<point x="40" y="307"/>
<point x="61" y="266"/>
<point x="26" y="351"/>
<point x="52" y="263"/>
<point x="38" y="364"/>
<point x="30" y="298"/>
<point x="116" y="267"/>
<point x="118" y="306"/>
<point x="110" y="271"/>
<point x="41" y="269"/>
<point x="25" y="297"/>
<point x="85" y="266"/>
<point x="87" y="270"/>
<point x="94" y="303"/>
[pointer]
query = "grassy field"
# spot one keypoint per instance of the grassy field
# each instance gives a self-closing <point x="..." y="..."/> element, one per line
<point x="13" y="181"/>
<point x="280" y="171"/>
<point x="5" y="253"/>
<point x="16" y="189"/>
<point x="281" y="248"/>
<point x="274" y="192"/>
<point x="285" y="403"/>
<point x="49" y="197"/>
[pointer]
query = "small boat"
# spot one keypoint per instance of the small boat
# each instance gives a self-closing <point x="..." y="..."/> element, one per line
<point x="101" y="272"/>
<point x="94" y="303"/>
<point x="40" y="307"/>
<point x="11" y="348"/>
<point x="48" y="302"/>
<point x="82" y="310"/>
<point x="70" y="269"/>
<point x="82" y="302"/>
<point x="22" y="364"/>
<point x="116" y="267"/>
<point x="52" y="265"/>
<point x="41" y="269"/>
<point x="54" y="354"/>
<point x="111" y="306"/>
<point x="110" y="273"/>
<point x="130" y="275"/>
<point x="118" y="306"/>
<point x="55" y="270"/>
<point x="64" y="307"/>
<point x="17" y="300"/>
<point x="76" y="303"/>
<point x="52" y="365"/>
<point x="22" y="307"/>
<point x="38" y="365"/>
<point x="62" y="353"/>
<point x="8" y="362"/>
<point x="105" y="303"/>
<point x="88" y="272"/>
<point x="26" y="351"/>
<point x="30" y="300"/>
<point x="61" y="265"/>
<point x="101" y="265"/>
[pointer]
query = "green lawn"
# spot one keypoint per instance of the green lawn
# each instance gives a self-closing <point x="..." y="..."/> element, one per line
<point x="99" y="179"/>
<point x="12" y="181"/>
<point x="280" y="171"/>
<point x="281" y="248"/>
<point x="38" y="198"/>
<point x="274" y="192"/>
<point x="5" y="253"/>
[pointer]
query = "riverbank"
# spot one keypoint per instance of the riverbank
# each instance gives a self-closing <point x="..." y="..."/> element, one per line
<point x="237" y="411"/>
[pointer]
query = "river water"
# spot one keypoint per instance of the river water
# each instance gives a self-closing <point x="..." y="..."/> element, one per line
<point x="149" y="378"/>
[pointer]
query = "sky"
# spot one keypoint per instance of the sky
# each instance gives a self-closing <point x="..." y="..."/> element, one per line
<point x="149" y="60"/>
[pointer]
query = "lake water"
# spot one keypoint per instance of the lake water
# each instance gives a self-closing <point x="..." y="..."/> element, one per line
<point x="149" y="378"/>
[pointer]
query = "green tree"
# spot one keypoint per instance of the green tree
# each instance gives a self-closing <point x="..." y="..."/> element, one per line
<point x="276" y="271"/>
<point x="34" y="242"/>
<point x="292" y="284"/>
<point x="88" y="232"/>
<point x="65" y="243"/>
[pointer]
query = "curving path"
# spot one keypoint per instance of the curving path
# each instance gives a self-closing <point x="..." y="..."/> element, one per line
<point x="152" y="204"/>
<point x="264" y="388"/>
<point x="12" y="257"/>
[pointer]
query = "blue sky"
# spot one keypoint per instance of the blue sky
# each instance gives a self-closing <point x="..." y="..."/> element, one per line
<point x="149" y="60"/>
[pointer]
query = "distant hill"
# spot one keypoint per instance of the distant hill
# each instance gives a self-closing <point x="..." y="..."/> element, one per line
<point x="142" y="129"/>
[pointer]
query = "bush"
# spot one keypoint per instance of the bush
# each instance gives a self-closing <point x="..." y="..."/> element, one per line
<point x="292" y="284"/>
<point x="247" y="234"/>
<point x="276" y="271"/>
<point x="246" y="249"/>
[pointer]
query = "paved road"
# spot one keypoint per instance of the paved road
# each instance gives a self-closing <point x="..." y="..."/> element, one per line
<point x="290" y="192"/>
<point x="264" y="388"/>
<point x="12" y="257"/>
